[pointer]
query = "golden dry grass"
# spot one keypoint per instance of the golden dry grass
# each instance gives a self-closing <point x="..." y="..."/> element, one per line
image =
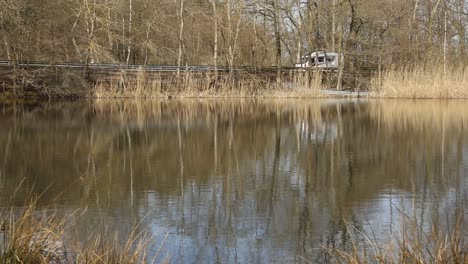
<point x="410" y="245"/>
<point x="34" y="235"/>
<point x="100" y="250"/>
<point x="422" y="82"/>
<point x="31" y="237"/>
<point x="204" y="85"/>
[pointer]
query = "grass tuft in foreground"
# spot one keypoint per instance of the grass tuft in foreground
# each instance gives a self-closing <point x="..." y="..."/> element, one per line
<point x="411" y="245"/>
<point x="32" y="235"/>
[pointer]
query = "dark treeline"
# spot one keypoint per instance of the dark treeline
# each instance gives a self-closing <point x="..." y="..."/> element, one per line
<point x="232" y="32"/>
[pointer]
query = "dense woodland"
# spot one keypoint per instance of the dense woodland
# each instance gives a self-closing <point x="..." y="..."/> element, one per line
<point x="253" y="33"/>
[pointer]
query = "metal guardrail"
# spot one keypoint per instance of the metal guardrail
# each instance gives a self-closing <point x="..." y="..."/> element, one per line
<point x="102" y="66"/>
<point x="153" y="68"/>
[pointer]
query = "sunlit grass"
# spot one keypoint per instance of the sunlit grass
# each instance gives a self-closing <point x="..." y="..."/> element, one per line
<point x="192" y="85"/>
<point x="143" y="84"/>
<point x="410" y="245"/>
<point x="422" y="82"/>
<point x="34" y="235"/>
<point x="31" y="237"/>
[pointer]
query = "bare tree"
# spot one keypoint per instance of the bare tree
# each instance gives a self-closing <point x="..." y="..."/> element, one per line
<point x="232" y="8"/>
<point x="180" y="15"/>
<point x="129" y="37"/>
<point x="253" y="32"/>
<point x="215" y="41"/>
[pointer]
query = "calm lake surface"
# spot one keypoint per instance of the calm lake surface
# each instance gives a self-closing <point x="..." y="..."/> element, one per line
<point x="239" y="181"/>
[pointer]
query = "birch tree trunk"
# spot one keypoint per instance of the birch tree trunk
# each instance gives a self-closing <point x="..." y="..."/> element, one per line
<point x="90" y="14"/>
<point x="229" y="28"/>
<point x="445" y="41"/>
<point x="147" y="43"/>
<point x="333" y="29"/>
<point x="232" y="33"/>
<point x="339" y="83"/>
<point x="276" y="25"/>
<point x="254" y="47"/>
<point x="430" y="35"/>
<point x="462" y="31"/>
<point x="299" y="33"/>
<point x="108" y="28"/>
<point x="215" y="48"/>
<point x="180" y="15"/>
<point x="129" y="36"/>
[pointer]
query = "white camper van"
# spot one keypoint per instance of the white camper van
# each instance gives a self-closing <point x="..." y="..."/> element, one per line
<point x="321" y="59"/>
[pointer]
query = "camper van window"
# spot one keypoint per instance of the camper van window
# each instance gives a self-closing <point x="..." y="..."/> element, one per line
<point x="321" y="59"/>
<point x="313" y="61"/>
<point x="331" y="59"/>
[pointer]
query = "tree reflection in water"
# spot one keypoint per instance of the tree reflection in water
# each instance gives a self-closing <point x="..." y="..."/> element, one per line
<point x="240" y="180"/>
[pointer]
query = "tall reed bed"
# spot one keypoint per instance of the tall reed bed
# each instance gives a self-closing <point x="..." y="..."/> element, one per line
<point x="422" y="82"/>
<point x="142" y="84"/>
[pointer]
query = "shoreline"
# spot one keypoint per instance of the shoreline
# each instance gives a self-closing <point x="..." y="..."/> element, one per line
<point x="276" y="94"/>
<point x="63" y="83"/>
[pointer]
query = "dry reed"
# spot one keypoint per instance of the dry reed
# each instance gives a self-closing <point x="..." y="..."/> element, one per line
<point x="101" y="250"/>
<point x="31" y="237"/>
<point x="422" y="82"/>
<point x="34" y="235"/>
<point x="410" y="245"/>
<point x="196" y="84"/>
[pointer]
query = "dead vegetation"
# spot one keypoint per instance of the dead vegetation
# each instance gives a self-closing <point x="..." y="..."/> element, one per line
<point x="36" y="235"/>
<point x="195" y="84"/>
<point x="427" y="82"/>
<point x="50" y="82"/>
<point x="412" y="244"/>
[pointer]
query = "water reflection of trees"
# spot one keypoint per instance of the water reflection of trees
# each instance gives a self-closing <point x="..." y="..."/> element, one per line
<point x="249" y="176"/>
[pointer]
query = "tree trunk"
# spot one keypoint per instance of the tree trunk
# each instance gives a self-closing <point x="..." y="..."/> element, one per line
<point x="230" y="49"/>
<point x="276" y="24"/>
<point x="333" y="29"/>
<point x="462" y="32"/>
<point x="254" y="47"/>
<point x="90" y="30"/>
<point x="431" y="31"/>
<point x="181" y="36"/>
<point x="147" y="41"/>
<point x="108" y="28"/>
<point x="445" y="42"/>
<point x="339" y="83"/>
<point x="5" y="40"/>
<point x="129" y="36"/>
<point x="299" y="34"/>
<point x="215" y="44"/>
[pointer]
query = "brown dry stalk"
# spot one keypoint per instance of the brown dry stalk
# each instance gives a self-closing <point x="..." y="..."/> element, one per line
<point x="36" y="235"/>
<point x="423" y="82"/>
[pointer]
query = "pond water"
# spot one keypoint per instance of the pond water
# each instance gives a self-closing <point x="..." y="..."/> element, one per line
<point x="239" y="181"/>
